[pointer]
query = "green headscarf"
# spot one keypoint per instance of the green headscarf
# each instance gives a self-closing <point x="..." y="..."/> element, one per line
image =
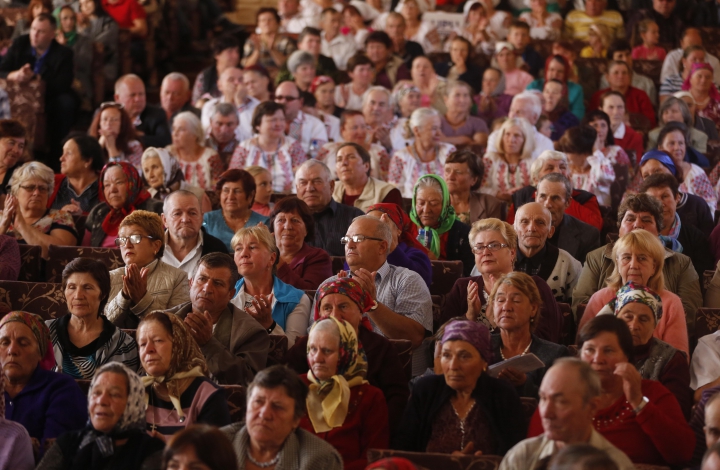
<point x="71" y="37"/>
<point x="447" y="216"/>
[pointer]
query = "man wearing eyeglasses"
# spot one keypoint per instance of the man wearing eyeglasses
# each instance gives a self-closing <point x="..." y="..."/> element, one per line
<point x="306" y="129"/>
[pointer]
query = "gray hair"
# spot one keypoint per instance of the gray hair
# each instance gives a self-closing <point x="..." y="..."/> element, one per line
<point x="366" y="95"/>
<point x="428" y="182"/>
<point x="528" y="132"/>
<point x="193" y="123"/>
<point x="326" y="325"/>
<point x="382" y="230"/>
<point x="546" y="155"/>
<point x="559" y="178"/>
<point x="32" y="170"/>
<point x="299" y="58"/>
<point x="176" y="76"/>
<point x="225" y="109"/>
<point x="591" y="379"/>
<point x="534" y="100"/>
<point x="174" y="195"/>
<point x="684" y="110"/>
<point x="307" y="164"/>
<point x="417" y="119"/>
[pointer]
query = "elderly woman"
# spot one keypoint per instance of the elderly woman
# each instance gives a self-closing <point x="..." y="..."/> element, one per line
<point x="226" y="54"/>
<point x="676" y="110"/>
<point x="605" y="142"/>
<point x="199" y="446"/>
<point x="120" y="190"/>
<point x="460" y="66"/>
<point x="440" y="231"/>
<point x="163" y="175"/>
<point x="76" y="187"/>
<point x="639" y="257"/>
<point x="258" y="83"/>
<point x="12" y="146"/>
<point x="86" y="340"/>
<point x="342" y="407"/>
<point x="299" y="264"/>
<point x="271" y="436"/>
<point x="405" y="99"/>
<point x="323" y="90"/>
<point x="558" y="68"/>
<point x="270" y="148"/>
<point x="145" y="283"/>
<point x="516" y="79"/>
<point x="178" y="391"/>
<point x="115" y="434"/>
<point x="463" y="172"/>
<point x="201" y="165"/>
<point x="237" y="193"/>
<point x="96" y="24"/>
<point x="543" y="24"/>
<point x="494" y="244"/>
<point x="269" y="48"/>
<point x="515" y="302"/>
<point x="279" y="307"/>
<point x="589" y="169"/>
<point x="26" y="215"/>
<point x="428" y="82"/>
<point x="508" y="169"/>
<point x="699" y="83"/>
<point x="116" y="134"/>
<point x="492" y="102"/>
<point x="555" y="107"/>
<point x="302" y="64"/>
<point x="458" y="127"/>
<point x="463" y="409"/>
<point x="426" y="155"/>
<point x="46" y="403"/>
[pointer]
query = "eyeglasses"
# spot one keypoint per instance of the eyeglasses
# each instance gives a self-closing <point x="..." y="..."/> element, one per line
<point x="286" y="98"/>
<point x="111" y="104"/>
<point x="134" y="239"/>
<point x="493" y="247"/>
<point x="358" y="239"/>
<point x="36" y="187"/>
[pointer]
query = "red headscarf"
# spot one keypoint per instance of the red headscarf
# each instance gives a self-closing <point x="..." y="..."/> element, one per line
<point x="564" y="62"/>
<point x="714" y="94"/>
<point x="136" y="195"/>
<point x="402" y="221"/>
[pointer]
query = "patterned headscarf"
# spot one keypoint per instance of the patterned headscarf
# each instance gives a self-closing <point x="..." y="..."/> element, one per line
<point x="40" y="331"/>
<point x="171" y="168"/>
<point x="662" y="157"/>
<point x="714" y="94"/>
<point x="474" y="333"/>
<point x="630" y="293"/>
<point x="136" y="195"/>
<point x="346" y="286"/>
<point x="447" y="215"/>
<point x="403" y="88"/>
<point x="402" y="221"/>
<point x="320" y="80"/>
<point x="327" y="402"/>
<point x="565" y="64"/>
<point x="187" y="361"/>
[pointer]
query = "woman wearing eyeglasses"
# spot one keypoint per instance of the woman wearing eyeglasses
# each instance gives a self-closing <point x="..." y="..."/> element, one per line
<point x="116" y="134"/>
<point x="145" y="283"/>
<point x="26" y="215"/>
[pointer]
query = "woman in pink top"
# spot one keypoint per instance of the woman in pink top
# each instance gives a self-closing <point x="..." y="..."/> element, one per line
<point x="639" y="257"/>
<point x="516" y="79"/>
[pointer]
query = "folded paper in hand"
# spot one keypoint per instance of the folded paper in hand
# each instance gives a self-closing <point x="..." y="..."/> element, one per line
<point x="525" y="363"/>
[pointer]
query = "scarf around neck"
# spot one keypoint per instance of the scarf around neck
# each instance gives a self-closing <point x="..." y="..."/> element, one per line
<point x="447" y="215"/>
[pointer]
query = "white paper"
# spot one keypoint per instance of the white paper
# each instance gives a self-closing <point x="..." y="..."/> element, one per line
<point x="444" y="22"/>
<point x="525" y="363"/>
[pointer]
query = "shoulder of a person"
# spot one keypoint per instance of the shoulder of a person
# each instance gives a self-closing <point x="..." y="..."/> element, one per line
<point x="309" y="441"/>
<point x="549" y="346"/>
<point x="654" y="389"/>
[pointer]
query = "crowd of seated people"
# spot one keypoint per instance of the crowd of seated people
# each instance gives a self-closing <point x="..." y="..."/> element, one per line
<point x="499" y="240"/>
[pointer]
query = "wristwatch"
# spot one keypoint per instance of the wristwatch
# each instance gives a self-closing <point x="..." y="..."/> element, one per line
<point x="375" y="306"/>
<point x="641" y="406"/>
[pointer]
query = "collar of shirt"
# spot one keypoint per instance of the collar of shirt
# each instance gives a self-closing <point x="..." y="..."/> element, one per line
<point x="675" y="227"/>
<point x="190" y="254"/>
<point x="620" y="132"/>
<point x="382" y="272"/>
<point x="536" y="260"/>
<point x="332" y="207"/>
<point x="137" y="122"/>
<point x="39" y="61"/>
<point x="65" y="185"/>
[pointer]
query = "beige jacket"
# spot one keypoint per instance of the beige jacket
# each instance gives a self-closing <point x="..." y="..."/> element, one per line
<point x="373" y="193"/>
<point x="166" y="287"/>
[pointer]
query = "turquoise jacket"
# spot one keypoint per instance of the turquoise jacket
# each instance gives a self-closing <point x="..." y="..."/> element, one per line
<point x="287" y="297"/>
<point x="575" y="96"/>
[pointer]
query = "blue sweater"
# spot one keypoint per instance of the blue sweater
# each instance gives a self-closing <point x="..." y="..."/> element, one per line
<point x="287" y="297"/>
<point x="215" y="225"/>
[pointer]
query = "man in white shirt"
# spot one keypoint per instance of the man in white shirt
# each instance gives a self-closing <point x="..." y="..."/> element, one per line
<point x="525" y="105"/>
<point x="307" y="129"/>
<point x="335" y="45"/>
<point x="671" y="65"/>
<point x="293" y="21"/>
<point x="230" y="83"/>
<point x="185" y="240"/>
<point x="569" y="398"/>
<point x="378" y="115"/>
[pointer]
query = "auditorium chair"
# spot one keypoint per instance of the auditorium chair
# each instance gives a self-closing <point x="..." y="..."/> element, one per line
<point x="404" y="349"/>
<point x="60" y="256"/>
<point x="707" y="321"/>
<point x="444" y="275"/>
<point x="277" y="351"/>
<point x="42" y="298"/>
<point x="31" y="259"/>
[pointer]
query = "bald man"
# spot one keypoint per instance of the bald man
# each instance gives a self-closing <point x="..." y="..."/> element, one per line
<point x="536" y="257"/>
<point x="150" y="121"/>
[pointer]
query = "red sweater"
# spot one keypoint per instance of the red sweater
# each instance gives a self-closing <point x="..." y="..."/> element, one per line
<point x="632" y="141"/>
<point x="308" y="269"/>
<point x="636" y="101"/>
<point x="659" y="435"/>
<point x="365" y="426"/>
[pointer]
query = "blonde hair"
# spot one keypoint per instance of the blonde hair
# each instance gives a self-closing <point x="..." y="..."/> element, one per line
<point x="645" y="242"/>
<point x="528" y="132"/>
<point x="150" y="222"/>
<point x="261" y="234"/>
<point x="505" y="230"/>
<point x="602" y="32"/>
<point x="32" y="170"/>
<point x="256" y="171"/>
<point x="526" y="285"/>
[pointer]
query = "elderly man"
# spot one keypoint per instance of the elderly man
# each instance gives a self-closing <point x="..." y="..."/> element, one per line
<point x="569" y="398"/>
<point x="619" y="76"/>
<point x="554" y="191"/>
<point x="642" y="212"/>
<point x="222" y="136"/>
<point x="230" y="83"/>
<point x="671" y="64"/>
<point x="314" y="185"/>
<point x="536" y="257"/>
<point x="150" y="121"/>
<point x="577" y="22"/>
<point x="389" y="68"/>
<point x="407" y="50"/>
<point x="185" y="238"/>
<point x="356" y="187"/>
<point x="669" y="23"/>
<point x="378" y="115"/>
<point x="310" y="41"/>
<point x="525" y="105"/>
<point x="175" y="96"/>
<point x="334" y="44"/>
<point x="234" y="344"/>
<point x="292" y="20"/>
<point x="306" y="129"/>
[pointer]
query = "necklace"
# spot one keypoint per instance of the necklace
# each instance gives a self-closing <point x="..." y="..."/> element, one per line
<point x="521" y="354"/>
<point x="462" y="423"/>
<point x="267" y="464"/>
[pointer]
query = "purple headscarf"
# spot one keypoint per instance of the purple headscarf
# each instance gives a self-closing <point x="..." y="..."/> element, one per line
<point x="474" y="333"/>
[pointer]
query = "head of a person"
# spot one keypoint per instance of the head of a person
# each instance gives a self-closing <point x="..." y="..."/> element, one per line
<point x="463" y="171"/>
<point x="565" y="49"/>
<point x="119" y="185"/>
<point x="66" y="17"/>
<point x="376" y="105"/>
<point x="116" y="400"/>
<point x="42" y="31"/>
<point x="367" y="242"/>
<point x="12" y="142"/>
<point x="343" y="299"/>
<point x="86" y="285"/>
<point x="352" y="18"/>
<point x="465" y="353"/>
<point x="182" y="216"/>
<point x="361" y="69"/>
<point x="692" y="55"/>
<point x="257" y="82"/>
<point x="81" y="154"/>
<point x="674" y="110"/>
<point x="422" y="70"/>
<point x="269" y="118"/>
<point x="378" y="47"/>
<point x="309" y="41"/>
<point x="639" y="257"/>
<point x="36" y="7"/>
<point x="424" y="125"/>
<point x="673" y="139"/>
<point x="91" y="8"/>
<point x="314" y="184"/>
<point x="556" y="68"/>
<point x="517" y="137"/>
<point x="226" y="50"/>
<point x="255" y="251"/>
<point x="620" y="50"/>
<point x="569" y="398"/>
<point x="275" y="404"/>
<point x="690" y="37"/>
<point x="166" y="347"/>
<point x="505" y="56"/>
<point x="301" y="65"/>
<point x="333" y="350"/>
<point x="330" y="21"/>
<point x="582" y="457"/>
<point x="406" y="98"/>
<point x="595" y="7"/>
<point x="158" y="167"/>
<point x="237" y="190"/>
<point x="664" y="188"/>
<point x="229" y="81"/>
<point x="519" y="35"/>
<point x="113" y="118"/>
<point x="187" y="131"/>
<point x="663" y="7"/>
<point x="212" y="283"/>
<point x="533" y="225"/>
<point x="604" y="342"/>
<point x="494" y="243"/>
<point x="658" y="162"/>
<point x="554" y="95"/>
<point x="638" y="306"/>
<point x="431" y="202"/>
<point x="288" y="8"/>
<point x="549" y="161"/>
<point x="323" y="89"/>
<point x="712" y="421"/>
<point x="701" y="77"/>
<point x="395" y="26"/>
<point x="32" y="185"/>
<point x="130" y="92"/>
<point x="199" y="447"/>
<point x="24" y="344"/>
<point x="640" y="211"/>
<point x="263" y="183"/>
<point x="600" y="121"/>
<point x="578" y="141"/>
<point x="613" y="104"/>
<point x="292" y="223"/>
<point x="515" y="303"/>
<point x="287" y="94"/>
<point x="493" y="82"/>
<point x="526" y="105"/>
<point x="174" y="92"/>
<point x="460" y="50"/>
<point x="410" y="10"/>
<point x="353" y="127"/>
<point x="554" y="192"/>
<point x="458" y="97"/>
<point x="223" y="122"/>
<point x="352" y="164"/>
<point x="619" y="76"/>
<point x="268" y="20"/>
<point x="474" y="12"/>
<point x="141" y="238"/>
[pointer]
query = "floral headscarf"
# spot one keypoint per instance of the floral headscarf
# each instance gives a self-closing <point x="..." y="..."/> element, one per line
<point x="714" y="94"/>
<point x="318" y="81"/>
<point x="327" y="402"/>
<point x="171" y="169"/>
<point x="350" y="288"/>
<point x="447" y="215"/>
<point x="402" y="221"/>
<point x="40" y="331"/>
<point x="630" y="293"/>
<point x="136" y="195"/>
<point x="400" y="91"/>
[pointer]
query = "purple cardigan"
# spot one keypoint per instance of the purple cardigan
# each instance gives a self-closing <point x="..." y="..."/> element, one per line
<point x="308" y="269"/>
<point x="413" y="259"/>
<point x="49" y="405"/>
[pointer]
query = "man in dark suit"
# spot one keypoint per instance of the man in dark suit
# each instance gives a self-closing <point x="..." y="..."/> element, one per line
<point x="554" y="191"/>
<point x="150" y="121"/>
<point x="38" y="55"/>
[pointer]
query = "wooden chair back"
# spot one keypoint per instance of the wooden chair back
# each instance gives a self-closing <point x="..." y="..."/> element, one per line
<point x="41" y="298"/>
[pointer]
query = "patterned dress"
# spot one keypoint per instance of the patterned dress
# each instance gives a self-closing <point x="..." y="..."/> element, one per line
<point x="204" y="172"/>
<point x="53" y="219"/>
<point x="697" y="182"/>
<point x="500" y="177"/>
<point x="598" y="179"/>
<point x="712" y="112"/>
<point x="281" y="164"/>
<point x="406" y="168"/>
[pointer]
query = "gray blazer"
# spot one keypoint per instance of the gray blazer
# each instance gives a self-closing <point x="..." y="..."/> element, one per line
<point x="238" y="347"/>
<point x="577" y="237"/>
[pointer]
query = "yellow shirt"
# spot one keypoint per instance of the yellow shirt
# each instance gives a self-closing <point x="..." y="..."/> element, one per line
<point x="578" y="23"/>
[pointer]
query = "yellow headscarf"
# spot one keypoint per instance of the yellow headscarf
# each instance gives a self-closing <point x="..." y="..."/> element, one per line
<point x="328" y="400"/>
